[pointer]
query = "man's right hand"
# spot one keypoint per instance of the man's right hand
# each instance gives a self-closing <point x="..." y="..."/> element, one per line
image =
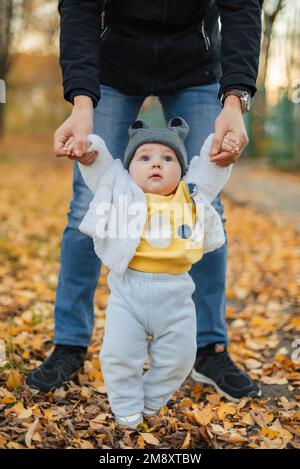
<point x="78" y="125"/>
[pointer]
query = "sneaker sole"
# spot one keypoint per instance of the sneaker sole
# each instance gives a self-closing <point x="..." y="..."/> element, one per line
<point x="150" y="414"/>
<point x="133" y="425"/>
<point x="32" y="386"/>
<point x="199" y="378"/>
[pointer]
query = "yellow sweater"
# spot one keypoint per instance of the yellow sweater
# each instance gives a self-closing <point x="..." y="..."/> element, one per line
<point x="166" y="245"/>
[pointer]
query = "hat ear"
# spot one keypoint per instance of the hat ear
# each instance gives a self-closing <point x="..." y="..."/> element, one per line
<point x="179" y="125"/>
<point x="136" y="126"/>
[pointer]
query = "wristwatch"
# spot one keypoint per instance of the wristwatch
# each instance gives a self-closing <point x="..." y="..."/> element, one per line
<point x="244" y="97"/>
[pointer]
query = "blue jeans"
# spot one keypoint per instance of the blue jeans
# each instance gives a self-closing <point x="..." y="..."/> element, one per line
<point x="80" y="267"/>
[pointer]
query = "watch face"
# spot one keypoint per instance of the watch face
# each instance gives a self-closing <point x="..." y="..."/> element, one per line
<point x="247" y="101"/>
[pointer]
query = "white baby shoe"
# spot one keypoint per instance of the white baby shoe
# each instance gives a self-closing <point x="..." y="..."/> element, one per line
<point x="132" y="421"/>
<point x="149" y="412"/>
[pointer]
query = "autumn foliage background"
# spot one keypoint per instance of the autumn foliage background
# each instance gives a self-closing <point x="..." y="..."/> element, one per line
<point x="263" y="284"/>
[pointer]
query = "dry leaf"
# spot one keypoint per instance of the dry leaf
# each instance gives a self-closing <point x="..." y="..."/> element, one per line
<point x="187" y="441"/>
<point x="150" y="439"/>
<point x="14" y="380"/>
<point x="273" y="380"/>
<point x="225" y="409"/>
<point x="30" y="432"/>
<point x="251" y="364"/>
<point x="204" y="416"/>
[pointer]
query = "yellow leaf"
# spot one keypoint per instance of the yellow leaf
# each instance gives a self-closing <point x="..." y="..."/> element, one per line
<point x="12" y="445"/>
<point x="204" y="416"/>
<point x="8" y="400"/>
<point x="186" y="402"/>
<point x="19" y="410"/>
<point x="247" y="419"/>
<point x="186" y="443"/>
<point x="37" y="343"/>
<point x="95" y="375"/>
<point x="213" y="399"/>
<point x="283" y="433"/>
<point x="197" y="390"/>
<point x="225" y="409"/>
<point x="48" y="414"/>
<point x="26" y="355"/>
<point x="269" y="433"/>
<point x="14" y="380"/>
<point x="140" y="443"/>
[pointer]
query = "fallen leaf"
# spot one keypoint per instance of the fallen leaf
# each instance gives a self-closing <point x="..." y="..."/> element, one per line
<point x="187" y="441"/>
<point x="269" y="433"/>
<point x="225" y="409"/>
<point x="14" y="380"/>
<point x="150" y="439"/>
<point x="251" y="364"/>
<point x="204" y="416"/>
<point x="273" y="380"/>
<point x="30" y="432"/>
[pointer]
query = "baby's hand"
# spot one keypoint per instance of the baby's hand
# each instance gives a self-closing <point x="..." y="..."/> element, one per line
<point x="230" y="143"/>
<point x="86" y="159"/>
<point x="69" y="146"/>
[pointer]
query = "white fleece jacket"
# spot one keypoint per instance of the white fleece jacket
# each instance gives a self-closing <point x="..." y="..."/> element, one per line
<point x="112" y="185"/>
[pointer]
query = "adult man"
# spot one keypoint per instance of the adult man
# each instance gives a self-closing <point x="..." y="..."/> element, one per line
<point x="177" y="53"/>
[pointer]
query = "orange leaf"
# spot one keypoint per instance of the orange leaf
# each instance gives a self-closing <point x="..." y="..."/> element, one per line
<point x="14" y="380"/>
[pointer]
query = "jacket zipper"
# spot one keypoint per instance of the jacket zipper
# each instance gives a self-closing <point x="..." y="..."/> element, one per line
<point x="205" y="36"/>
<point x="103" y="17"/>
<point x="104" y="32"/>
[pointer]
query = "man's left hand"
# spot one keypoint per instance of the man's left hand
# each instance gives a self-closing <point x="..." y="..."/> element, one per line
<point x="229" y="121"/>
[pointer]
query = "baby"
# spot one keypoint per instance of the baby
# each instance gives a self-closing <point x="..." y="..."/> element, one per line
<point x="151" y="289"/>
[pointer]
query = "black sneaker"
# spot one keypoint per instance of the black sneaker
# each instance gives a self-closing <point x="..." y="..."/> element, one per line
<point x="214" y="366"/>
<point x="64" y="361"/>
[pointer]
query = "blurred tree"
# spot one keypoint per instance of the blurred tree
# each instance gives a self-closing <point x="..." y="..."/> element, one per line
<point x="256" y="122"/>
<point x="271" y="11"/>
<point x="5" y="41"/>
<point x="18" y="19"/>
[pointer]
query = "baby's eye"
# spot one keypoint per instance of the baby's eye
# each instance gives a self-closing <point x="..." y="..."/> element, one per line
<point x="168" y="158"/>
<point x="145" y="158"/>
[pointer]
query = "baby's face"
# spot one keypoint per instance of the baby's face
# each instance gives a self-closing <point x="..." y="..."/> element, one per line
<point x="155" y="169"/>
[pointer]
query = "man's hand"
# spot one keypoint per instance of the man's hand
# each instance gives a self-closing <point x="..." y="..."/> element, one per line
<point x="229" y="122"/>
<point x="76" y="127"/>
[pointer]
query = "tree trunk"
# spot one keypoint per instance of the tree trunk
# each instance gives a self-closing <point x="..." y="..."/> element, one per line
<point x="5" y="40"/>
<point x="269" y="20"/>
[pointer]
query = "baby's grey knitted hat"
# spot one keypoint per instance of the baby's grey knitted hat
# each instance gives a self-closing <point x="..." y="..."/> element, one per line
<point x="173" y="136"/>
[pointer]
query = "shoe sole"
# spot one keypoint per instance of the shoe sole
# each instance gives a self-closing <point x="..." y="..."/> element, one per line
<point x="133" y="425"/>
<point x="146" y="414"/>
<point x="32" y="386"/>
<point x="199" y="378"/>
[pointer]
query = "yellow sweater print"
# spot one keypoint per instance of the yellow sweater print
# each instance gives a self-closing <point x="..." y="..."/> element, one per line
<point x="167" y="244"/>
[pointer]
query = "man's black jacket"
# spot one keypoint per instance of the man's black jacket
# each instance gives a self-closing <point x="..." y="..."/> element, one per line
<point x="153" y="47"/>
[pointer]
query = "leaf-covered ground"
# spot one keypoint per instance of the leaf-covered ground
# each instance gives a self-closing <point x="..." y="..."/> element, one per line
<point x="263" y="288"/>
